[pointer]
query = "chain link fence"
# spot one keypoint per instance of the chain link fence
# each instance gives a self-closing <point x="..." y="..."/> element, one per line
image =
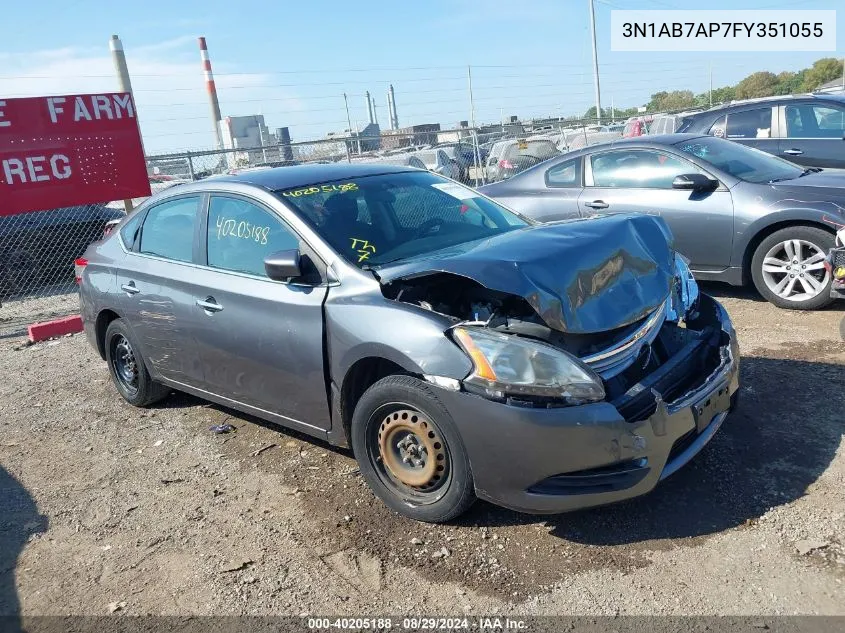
<point x="37" y="251"/>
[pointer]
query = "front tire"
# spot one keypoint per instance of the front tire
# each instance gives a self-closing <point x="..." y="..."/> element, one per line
<point x="410" y="452"/>
<point x="788" y="268"/>
<point x="127" y="368"/>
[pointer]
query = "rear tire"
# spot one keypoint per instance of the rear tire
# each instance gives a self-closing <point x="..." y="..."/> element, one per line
<point x="787" y="268"/>
<point x="128" y="369"/>
<point x="410" y="452"/>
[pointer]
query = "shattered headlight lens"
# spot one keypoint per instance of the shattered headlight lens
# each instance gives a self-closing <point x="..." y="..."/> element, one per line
<point x="685" y="299"/>
<point x="504" y="364"/>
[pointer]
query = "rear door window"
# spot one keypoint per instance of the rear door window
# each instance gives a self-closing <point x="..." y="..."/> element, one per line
<point x="756" y="123"/>
<point x="169" y="227"/>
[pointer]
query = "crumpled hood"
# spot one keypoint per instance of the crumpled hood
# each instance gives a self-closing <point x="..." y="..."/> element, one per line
<point x="580" y="276"/>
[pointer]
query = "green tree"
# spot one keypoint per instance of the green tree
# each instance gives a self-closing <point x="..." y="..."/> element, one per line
<point x="759" y="84"/>
<point x="789" y="82"/>
<point x="671" y="101"/>
<point x="724" y="94"/>
<point x="608" y="113"/>
<point x="824" y="70"/>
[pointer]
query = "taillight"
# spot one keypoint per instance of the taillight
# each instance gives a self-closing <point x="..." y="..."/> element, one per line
<point x="505" y="164"/>
<point x="79" y="265"/>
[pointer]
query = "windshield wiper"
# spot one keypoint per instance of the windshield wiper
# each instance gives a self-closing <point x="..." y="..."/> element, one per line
<point x="810" y="170"/>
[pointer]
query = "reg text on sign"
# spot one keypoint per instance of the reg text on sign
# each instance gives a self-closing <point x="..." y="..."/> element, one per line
<point x="68" y="150"/>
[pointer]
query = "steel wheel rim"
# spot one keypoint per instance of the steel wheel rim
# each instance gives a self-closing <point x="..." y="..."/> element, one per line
<point x="409" y="454"/>
<point x="124" y="364"/>
<point x="794" y="270"/>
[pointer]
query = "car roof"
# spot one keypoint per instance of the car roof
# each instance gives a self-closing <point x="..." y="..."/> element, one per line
<point x="763" y="101"/>
<point x="638" y="141"/>
<point x="302" y="175"/>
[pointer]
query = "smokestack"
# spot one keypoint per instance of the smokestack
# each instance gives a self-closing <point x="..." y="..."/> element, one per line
<point x="375" y="114"/>
<point x="394" y="118"/>
<point x="370" y="114"/>
<point x="212" y="92"/>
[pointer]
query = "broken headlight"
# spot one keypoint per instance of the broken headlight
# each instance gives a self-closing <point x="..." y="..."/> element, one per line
<point x="509" y="365"/>
<point x="683" y="305"/>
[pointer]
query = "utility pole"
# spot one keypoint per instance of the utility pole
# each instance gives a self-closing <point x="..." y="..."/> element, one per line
<point x="476" y="153"/>
<point x="358" y="137"/>
<point x="710" y="92"/>
<point x="261" y="137"/>
<point x="349" y="130"/>
<point x="124" y="85"/>
<point x="595" y="61"/>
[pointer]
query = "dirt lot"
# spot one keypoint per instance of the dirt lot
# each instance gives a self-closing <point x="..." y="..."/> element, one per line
<point x="108" y="508"/>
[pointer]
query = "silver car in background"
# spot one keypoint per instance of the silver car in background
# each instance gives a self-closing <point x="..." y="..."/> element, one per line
<point x="738" y="214"/>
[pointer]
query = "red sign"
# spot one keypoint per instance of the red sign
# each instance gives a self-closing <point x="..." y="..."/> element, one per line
<point x="69" y="150"/>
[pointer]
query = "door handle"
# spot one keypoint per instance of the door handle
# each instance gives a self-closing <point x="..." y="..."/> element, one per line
<point x="597" y="204"/>
<point x="793" y="152"/>
<point x="209" y="305"/>
<point x="130" y="288"/>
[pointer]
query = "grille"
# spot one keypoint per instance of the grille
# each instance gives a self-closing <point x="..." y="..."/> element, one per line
<point x="614" y="360"/>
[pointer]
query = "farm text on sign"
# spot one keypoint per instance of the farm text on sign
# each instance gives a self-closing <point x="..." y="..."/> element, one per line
<point x="62" y="151"/>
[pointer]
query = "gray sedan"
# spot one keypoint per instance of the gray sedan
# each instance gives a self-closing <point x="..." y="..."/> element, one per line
<point x="424" y="325"/>
<point x="739" y="214"/>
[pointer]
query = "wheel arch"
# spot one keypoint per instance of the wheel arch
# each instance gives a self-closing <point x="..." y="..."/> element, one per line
<point x="104" y="318"/>
<point x="360" y="376"/>
<point x="766" y="231"/>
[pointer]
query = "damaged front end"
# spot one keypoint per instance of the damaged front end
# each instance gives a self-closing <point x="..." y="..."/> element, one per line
<point x="520" y="360"/>
<point x="592" y="417"/>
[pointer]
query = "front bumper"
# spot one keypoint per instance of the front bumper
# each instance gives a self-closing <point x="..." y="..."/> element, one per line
<point x="836" y="257"/>
<point x="546" y="461"/>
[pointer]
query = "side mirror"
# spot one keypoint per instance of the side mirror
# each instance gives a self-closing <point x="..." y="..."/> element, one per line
<point x="283" y="265"/>
<point x="694" y="182"/>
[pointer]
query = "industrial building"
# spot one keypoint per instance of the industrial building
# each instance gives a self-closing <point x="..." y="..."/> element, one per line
<point x="424" y="134"/>
<point x="259" y="146"/>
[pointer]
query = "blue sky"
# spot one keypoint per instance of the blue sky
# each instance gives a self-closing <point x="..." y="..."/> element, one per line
<point x="292" y="61"/>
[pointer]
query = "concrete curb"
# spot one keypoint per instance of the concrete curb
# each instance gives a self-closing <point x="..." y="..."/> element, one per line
<point x="59" y="327"/>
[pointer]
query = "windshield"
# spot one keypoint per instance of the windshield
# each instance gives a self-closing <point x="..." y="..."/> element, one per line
<point x="374" y="220"/>
<point x="739" y="161"/>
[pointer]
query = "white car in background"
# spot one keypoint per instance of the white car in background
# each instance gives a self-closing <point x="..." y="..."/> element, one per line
<point x="437" y="161"/>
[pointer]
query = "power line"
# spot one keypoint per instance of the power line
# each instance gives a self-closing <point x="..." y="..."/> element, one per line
<point x="339" y="71"/>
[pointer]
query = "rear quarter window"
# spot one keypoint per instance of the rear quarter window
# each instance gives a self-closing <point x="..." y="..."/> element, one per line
<point x="129" y="230"/>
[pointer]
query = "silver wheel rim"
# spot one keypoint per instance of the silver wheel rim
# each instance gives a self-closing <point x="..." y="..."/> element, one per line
<point x="794" y="270"/>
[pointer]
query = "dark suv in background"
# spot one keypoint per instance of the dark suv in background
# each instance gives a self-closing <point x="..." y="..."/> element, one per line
<point x="807" y="129"/>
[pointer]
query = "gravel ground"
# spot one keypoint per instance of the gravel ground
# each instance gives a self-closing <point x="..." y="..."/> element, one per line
<point x="16" y="315"/>
<point x="106" y="508"/>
